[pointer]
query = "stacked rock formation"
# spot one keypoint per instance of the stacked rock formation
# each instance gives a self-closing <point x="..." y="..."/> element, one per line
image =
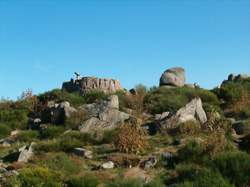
<point x="173" y="77"/>
<point x="86" y="84"/>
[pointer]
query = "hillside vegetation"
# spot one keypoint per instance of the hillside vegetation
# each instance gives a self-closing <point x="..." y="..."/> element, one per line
<point x="163" y="136"/>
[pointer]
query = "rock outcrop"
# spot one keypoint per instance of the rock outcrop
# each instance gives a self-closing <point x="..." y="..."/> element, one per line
<point x="56" y="113"/>
<point x="232" y="78"/>
<point x="192" y="111"/>
<point x="103" y="115"/>
<point x="173" y="77"/>
<point x="86" y="84"/>
<point x="26" y="152"/>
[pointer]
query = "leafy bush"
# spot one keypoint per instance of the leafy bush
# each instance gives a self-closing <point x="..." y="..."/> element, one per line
<point x="94" y="96"/>
<point x="156" y="182"/>
<point x="27" y="136"/>
<point x="205" y="178"/>
<point x="133" y="101"/>
<point x="51" y="132"/>
<point x="59" y="95"/>
<point x="235" y="166"/>
<point x="36" y="177"/>
<point x="171" y="99"/>
<point x="61" y="162"/>
<point x="215" y="144"/>
<point x="84" y="138"/>
<point x="125" y="183"/>
<point x="131" y="139"/>
<point x="191" y="152"/>
<point x="14" y="114"/>
<point x="4" y="131"/>
<point x="86" y="181"/>
<point x="189" y="128"/>
<point x="236" y="96"/>
<point x="67" y="142"/>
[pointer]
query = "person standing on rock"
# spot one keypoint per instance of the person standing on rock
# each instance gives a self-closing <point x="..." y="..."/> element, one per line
<point x="78" y="76"/>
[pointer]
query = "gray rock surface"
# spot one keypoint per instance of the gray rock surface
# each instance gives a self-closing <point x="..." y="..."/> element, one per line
<point x="149" y="163"/>
<point x="83" y="153"/>
<point x="108" y="165"/>
<point x="26" y="152"/>
<point x="192" y="111"/>
<point x="103" y="115"/>
<point x="56" y="113"/>
<point x="86" y="84"/>
<point x="173" y="77"/>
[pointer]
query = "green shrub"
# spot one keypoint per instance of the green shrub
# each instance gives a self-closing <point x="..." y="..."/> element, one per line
<point x="235" y="166"/>
<point x="191" y="152"/>
<point x="86" y="181"/>
<point x="206" y="178"/>
<point x="58" y="95"/>
<point x="94" y="96"/>
<point x="4" y="131"/>
<point x="65" y="143"/>
<point x="133" y="101"/>
<point x="61" y="162"/>
<point x="189" y="128"/>
<point x="27" y="136"/>
<point x="156" y="182"/>
<point x="109" y="136"/>
<point x="51" y="132"/>
<point x="47" y="146"/>
<point x="125" y="183"/>
<point x="171" y="99"/>
<point x="84" y="138"/>
<point x="236" y="97"/>
<point x="14" y="117"/>
<point x="186" y="172"/>
<point x="36" y="177"/>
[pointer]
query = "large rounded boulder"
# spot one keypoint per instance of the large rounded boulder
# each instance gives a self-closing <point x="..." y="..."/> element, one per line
<point x="173" y="77"/>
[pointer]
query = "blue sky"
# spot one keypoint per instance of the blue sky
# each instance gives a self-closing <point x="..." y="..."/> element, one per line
<point x="42" y="42"/>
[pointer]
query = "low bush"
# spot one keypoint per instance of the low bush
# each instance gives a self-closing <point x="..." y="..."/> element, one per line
<point x="236" y="97"/>
<point x="58" y="95"/>
<point x="235" y="166"/>
<point x="67" y="142"/>
<point x="51" y="132"/>
<point x="4" y="131"/>
<point x="189" y="128"/>
<point x="14" y="117"/>
<point x="94" y="96"/>
<point x="61" y="162"/>
<point x="27" y="136"/>
<point x="205" y="178"/>
<point x="85" y="181"/>
<point x="133" y="101"/>
<point x="36" y="177"/>
<point x="125" y="183"/>
<point x="156" y="182"/>
<point x="216" y="143"/>
<point x="191" y="152"/>
<point x="171" y="99"/>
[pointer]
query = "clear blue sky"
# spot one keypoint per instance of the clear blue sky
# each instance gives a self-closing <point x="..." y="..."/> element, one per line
<point x="42" y="42"/>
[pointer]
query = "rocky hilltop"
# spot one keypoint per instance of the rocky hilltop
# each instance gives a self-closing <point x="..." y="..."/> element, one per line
<point x="86" y="84"/>
<point x="174" y="134"/>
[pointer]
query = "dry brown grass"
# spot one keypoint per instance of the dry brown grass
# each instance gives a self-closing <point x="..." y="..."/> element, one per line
<point x="131" y="138"/>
